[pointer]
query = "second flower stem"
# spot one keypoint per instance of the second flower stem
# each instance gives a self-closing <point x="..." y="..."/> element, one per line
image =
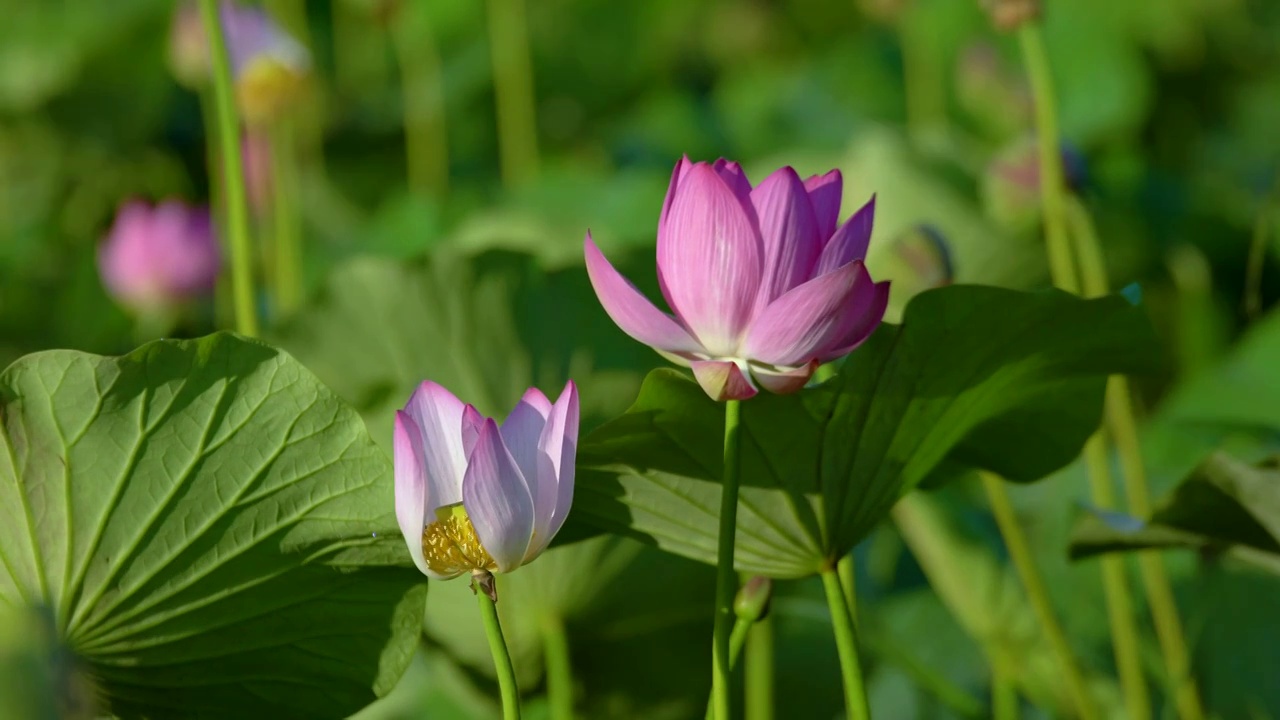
<point x="287" y="262"/>
<point x="855" y="694"/>
<point x="237" y="206"/>
<point x="498" y="648"/>
<point x="726" y="578"/>
<point x="555" y="643"/>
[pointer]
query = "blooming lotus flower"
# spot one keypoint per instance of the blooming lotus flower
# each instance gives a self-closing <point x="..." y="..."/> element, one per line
<point x="155" y="259"/>
<point x="763" y="284"/>
<point x="475" y="496"/>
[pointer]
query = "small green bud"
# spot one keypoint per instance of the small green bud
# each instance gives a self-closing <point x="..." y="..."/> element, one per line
<point x="753" y="600"/>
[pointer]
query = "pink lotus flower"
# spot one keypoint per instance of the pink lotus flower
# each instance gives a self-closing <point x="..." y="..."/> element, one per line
<point x="475" y="496"/>
<point x="763" y="284"/>
<point x="157" y="258"/>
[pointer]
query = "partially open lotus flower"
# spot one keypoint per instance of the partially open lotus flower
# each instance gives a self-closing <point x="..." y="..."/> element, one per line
<point x="763" y="283"/>
<point x="270" y="68"/>
<point x="473" y="496"/>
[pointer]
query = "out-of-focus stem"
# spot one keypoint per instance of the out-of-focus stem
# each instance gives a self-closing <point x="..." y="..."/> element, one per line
<point x="759" y="670"/>
<point x="422" y="92"/>
<point x="1052" y="178"/>
<point x="237" y="219"/>
<point x="1164" y="608"/>
<point x="1124" y="430"/>
<point x="1025" y="564"/>
<point x="921" y="78"/>
<point x="555" y="643"/>
<point x="513" y="89"/>
<point x="223" y="308"/>
<point x="726" y="578"/>
<point x="1004" y="691"/>
<point x="287" y="230"/>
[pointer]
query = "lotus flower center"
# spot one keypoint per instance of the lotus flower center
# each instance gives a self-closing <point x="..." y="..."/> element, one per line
<point x="450" y="544"/>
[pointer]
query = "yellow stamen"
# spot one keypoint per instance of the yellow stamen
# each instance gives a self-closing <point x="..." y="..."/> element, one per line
<point x="451" y="546"/>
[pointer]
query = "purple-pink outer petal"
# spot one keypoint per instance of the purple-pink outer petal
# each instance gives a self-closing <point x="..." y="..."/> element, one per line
<point x="783" y="381"/>
<point x="811" y="319"/>
<point x="560" y="446"/>
<point x="825" y="193"/>
<point x="631" y="310"/>
<point x="849" y="242"/>
<point x="411" y="487"/>
<point x="497" y="499"/>
<point x="439" y="416"/>
<point x="861" y="326"/>
<point x="522" y="433"/>
<point x="788" y="231"/>
<point x="710" y="259"/>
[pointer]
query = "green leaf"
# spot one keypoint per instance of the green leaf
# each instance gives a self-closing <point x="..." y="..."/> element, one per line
<point x="194" y="516"/>
<point x="1224" y="504"/>
<point x="975" y="377"/>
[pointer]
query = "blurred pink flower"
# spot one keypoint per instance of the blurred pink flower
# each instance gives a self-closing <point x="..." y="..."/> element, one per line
<point x="763" y="284"/>
<point x="156" y="258"/>
<point x="473" y="496"/>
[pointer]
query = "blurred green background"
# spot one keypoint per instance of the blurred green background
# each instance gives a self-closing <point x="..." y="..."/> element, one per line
<point x="1169" y="108"/>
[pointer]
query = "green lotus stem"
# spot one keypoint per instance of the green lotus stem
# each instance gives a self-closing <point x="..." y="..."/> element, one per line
<point x="726" y="578"/>
<point x="426" y="136"/>
<point x="737" y="640"/>
<point x="855" y="694"/>
<point x="1124" y="431"/>
<point x="237" y="225"/>
<point x="513" y="88"/>
<point x="555" y="647"/>
<point x="1037" y="594"/>
<point x="759" y="669"/>
<point x="1256" y="262"/>
<point x="1004" y="692"/>
<point x="223" y="312"/>
<point x="1125" y="642"/>
<point x="287" y="231"/>
<point x="848" y="584"/>
<point x="498" y="648"/>
<point x="1164" y="608"/>
<point x="1052" y="178"/>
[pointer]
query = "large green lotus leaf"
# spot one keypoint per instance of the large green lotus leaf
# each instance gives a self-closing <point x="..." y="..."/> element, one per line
<point x="195" y="517"/>
<point x="1224" y="504"/>
<point x="929" y="399"/>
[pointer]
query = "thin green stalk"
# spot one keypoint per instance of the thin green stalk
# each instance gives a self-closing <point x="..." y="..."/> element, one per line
<point x="1037" y="594"/>
<point x="513" y="88"/>
<point x="922" y="77"/>
<point x="555" y="645"/>
<point x="232" y="174"/>
<point x="855" y="694"/>
<point x="1124" y="431"/>
<point x="287" y="230"/>
<point x="1004" y="691"/>
<point x="737" y="641"/>
<point x="1164" y="608"/>
<point x="848" y="584"/>
<point x="1126" y="644"/>
<point x="759" y="669"/>
<point x="422" y="92"/>
<point x="498" y="648"/>
<point x="1052" y="178"/>
<point x="223" y="311"/>
<point x="726" y="578"/>
<point x="1258" y="257"/>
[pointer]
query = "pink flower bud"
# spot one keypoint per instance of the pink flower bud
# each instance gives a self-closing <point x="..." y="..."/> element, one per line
<point x="157" y="258"/>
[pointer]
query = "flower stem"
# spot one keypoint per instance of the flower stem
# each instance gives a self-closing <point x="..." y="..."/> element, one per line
<point x="232" y="174"/>
<point x="287" y="233"/>
<point x="1004" y="692"/>
<point x="1052" y="181"/>
<point x="737" y="641"/>
<point x="513" y="87"/>
<point x="759" y="669"/>
<point x="422" y="92"/>
<point x="726" y="578"/>
<point x="498" y="648"/>
<point x="1025" y="564"/>
<point x="1164" y="608"/>
<point x="855" y="695"/>
<point x="555" y="645"/>
<point x="1124" y="431"/>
